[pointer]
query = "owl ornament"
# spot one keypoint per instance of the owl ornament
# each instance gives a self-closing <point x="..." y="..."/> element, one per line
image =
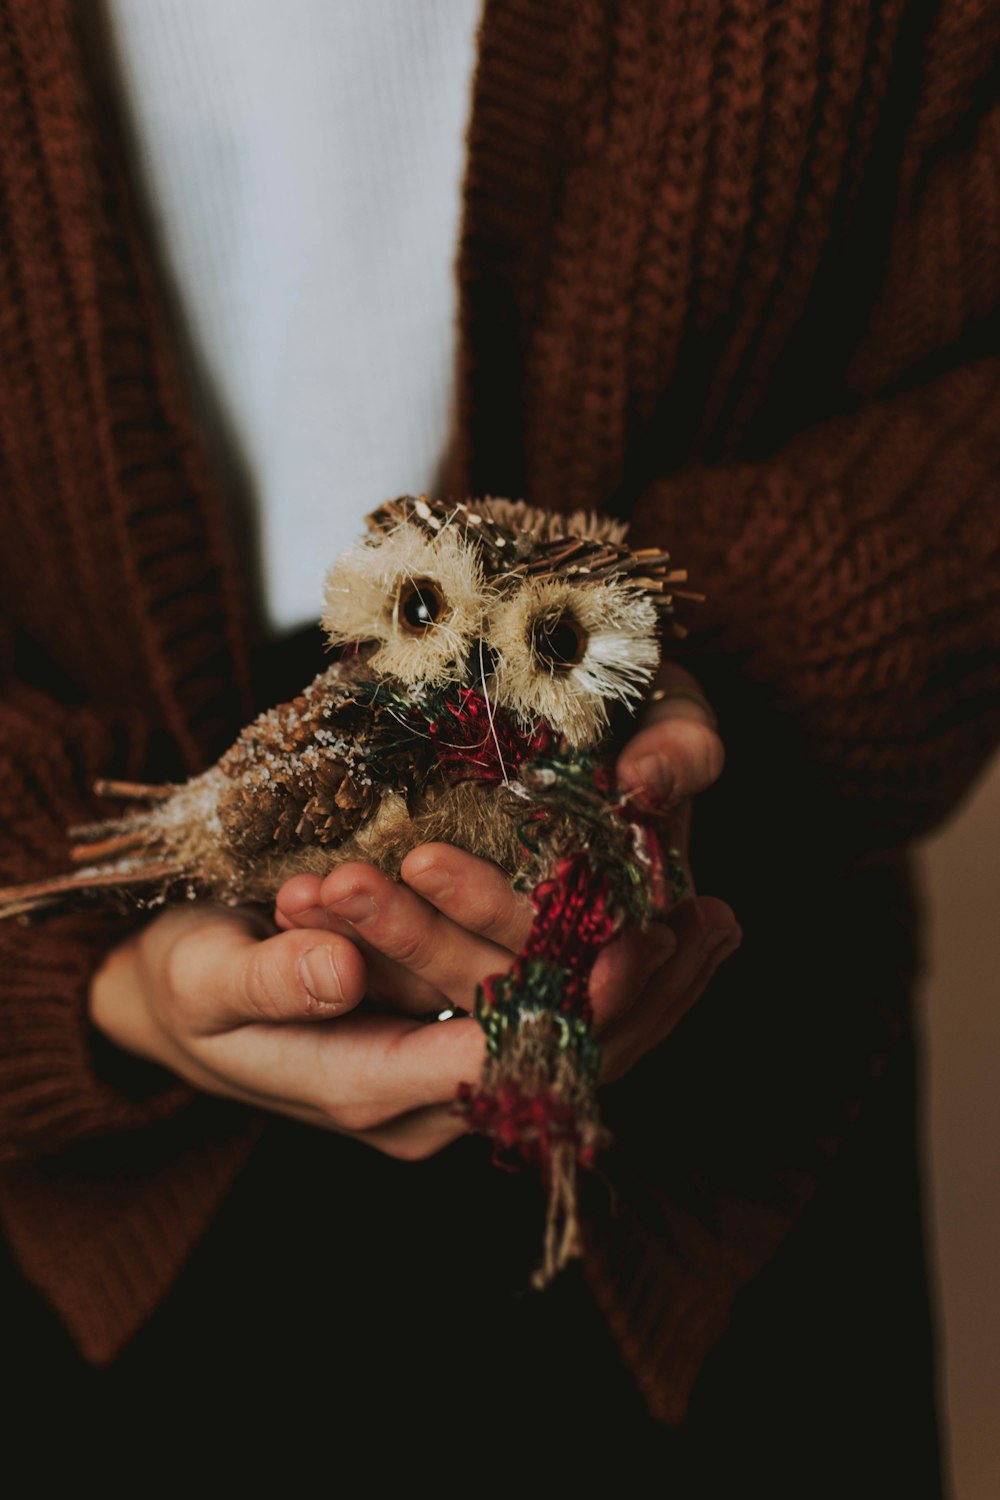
<point x="482" y="647"/>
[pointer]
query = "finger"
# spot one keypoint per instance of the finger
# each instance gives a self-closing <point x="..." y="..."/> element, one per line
<point x="261" y="1077"/>
<point x="686" y="755"/>
<point x="703" y="925"/>
<point x="674" y="758"/>
<point x="424" y="1066"/>
<point x="673" y="688"/>
<point x="623" y="968"/>
<point x="356" y="1074"/>
<point x="707" y="935"/>
<point x="627" y="1043"/>
<point x="219" y="973"/>
<point x="413" y="1135"/>
<point x="672" y="945"/>
<point x="407" y="931"/>
<point x="473" y="893"/>
<point x="417" y="1135"/>
<point x="396" y="988"/>
<point x="298" y="903"/>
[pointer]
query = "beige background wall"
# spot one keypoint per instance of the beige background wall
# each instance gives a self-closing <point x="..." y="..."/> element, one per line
<point x="961" y="1016"/>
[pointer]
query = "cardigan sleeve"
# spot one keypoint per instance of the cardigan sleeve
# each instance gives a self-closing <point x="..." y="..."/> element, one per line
<point x="851" y="642"/>
<point x="858" y="597"/>
<point x="110" y="1168"/>
<point x="851" y="567"/>
<point x="59" y="1085"/>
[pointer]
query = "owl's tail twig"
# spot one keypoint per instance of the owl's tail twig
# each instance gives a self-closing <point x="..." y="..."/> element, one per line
<point x="108" y="848"/>
<point x="106" y="828"/>
<point x="119" y="856"/>
<point x="70" y="892"/>
<point x="134" y="791"/>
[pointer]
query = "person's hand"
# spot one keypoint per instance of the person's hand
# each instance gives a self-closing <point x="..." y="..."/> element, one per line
<point x="269" y="1019"/>
<point x="453" y="919"/>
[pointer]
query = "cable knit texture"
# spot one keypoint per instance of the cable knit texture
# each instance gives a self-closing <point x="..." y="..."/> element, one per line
<point x="732" y="269"/>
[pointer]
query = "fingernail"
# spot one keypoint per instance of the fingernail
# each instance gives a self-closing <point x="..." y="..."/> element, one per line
<point x="318" y="972"/>
<point x="356" y="909"/>
<point x="650" y="774"/>
<point x="434" y="881"/>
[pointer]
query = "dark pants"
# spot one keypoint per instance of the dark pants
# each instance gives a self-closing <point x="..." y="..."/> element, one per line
<point x="348" y="1310"/>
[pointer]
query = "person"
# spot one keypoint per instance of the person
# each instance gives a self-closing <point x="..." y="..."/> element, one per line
<point x="731" y="275"/>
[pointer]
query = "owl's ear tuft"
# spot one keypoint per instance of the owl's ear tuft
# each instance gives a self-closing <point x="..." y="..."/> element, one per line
<point x="550" y="526"/>
<point x="388" y="516"/>
<point x="419" y="511"/>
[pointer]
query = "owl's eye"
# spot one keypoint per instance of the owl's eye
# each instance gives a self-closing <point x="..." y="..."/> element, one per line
<point x="559" y="640"/>
<point x="420" y="605"/>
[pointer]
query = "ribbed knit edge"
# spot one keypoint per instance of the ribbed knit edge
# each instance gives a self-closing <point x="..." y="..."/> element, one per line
<point x="51" y="1095"/>
<point x="162" y="509"/>
<point x="516" y="155"/>
<point x="851" y="603"/>
<point x="667" y="1285"/>
<point x="102" y="1233"/>
<point x="121" y="1175"/>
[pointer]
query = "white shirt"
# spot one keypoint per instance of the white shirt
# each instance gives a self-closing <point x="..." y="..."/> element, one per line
<point x="302" y="160"/>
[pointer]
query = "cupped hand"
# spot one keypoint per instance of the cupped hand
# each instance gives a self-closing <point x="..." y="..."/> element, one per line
<point x="268" y="1018"/>
<point x="429" y="940"/>
<point x="453" y="919"/>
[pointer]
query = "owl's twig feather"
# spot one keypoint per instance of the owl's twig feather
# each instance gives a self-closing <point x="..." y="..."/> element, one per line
<point x="133" y="791"/>
<point x="513" y="538"/>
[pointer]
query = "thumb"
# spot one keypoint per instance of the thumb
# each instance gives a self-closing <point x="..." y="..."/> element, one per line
<point x="677" y="753"/>
<point x="222" y="973"/>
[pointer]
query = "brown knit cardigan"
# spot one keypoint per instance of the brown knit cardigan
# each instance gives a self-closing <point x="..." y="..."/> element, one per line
<point x="733" y="269"/>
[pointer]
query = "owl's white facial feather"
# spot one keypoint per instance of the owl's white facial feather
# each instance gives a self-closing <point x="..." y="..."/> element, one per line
<point x="553" y="649"/>
<point x="366" y="585"/>
<point x="618" y="653"/>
